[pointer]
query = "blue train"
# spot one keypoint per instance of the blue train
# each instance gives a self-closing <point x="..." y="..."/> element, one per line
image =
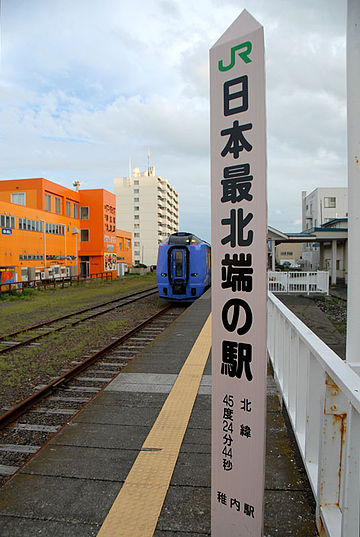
<point x="183" y="267"/>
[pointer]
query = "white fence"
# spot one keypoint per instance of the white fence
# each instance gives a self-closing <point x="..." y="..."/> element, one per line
<point x="322" y="397"/>
<point x="299" y="282"/>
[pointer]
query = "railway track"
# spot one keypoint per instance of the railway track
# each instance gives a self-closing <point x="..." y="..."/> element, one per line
<point x="31" y="334"/>
<point x="27" y="426"/>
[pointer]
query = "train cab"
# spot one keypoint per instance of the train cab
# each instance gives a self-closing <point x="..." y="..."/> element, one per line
<point x="183" y="268"/>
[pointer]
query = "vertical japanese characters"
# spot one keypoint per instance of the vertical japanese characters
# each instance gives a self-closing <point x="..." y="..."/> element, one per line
<point x="236" y="272"/>
<point x="238" y="235"/>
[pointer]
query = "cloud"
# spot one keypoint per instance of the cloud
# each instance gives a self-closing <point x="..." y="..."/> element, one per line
<point x="88" y="84"/>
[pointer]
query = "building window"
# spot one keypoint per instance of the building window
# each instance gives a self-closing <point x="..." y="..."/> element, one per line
<point x="120" y="246"/>
<point x="136" y="191"/>
<point x="136" y="234"/>
<point x="18" y="197"/>
<point x="136" y="243"/>
<point x="47" y="202"/>
<point x="128" y="243"/>
<point x="136" y="182"/>
<point x="7" y="221"/>
<point x="136" y="226"/>
<point x="57" y="205"/>
<point x="137" y="252"/>
<point x="84" y="213"/>
<point x="136" y="200"/>
<point x="84" y="235"/>
<point x="329" y="203"/>
<point x="68" y="208"/>
<point x="137" y="217"/>
<point x="75" y="211"/>
<point x="54" y="229"/>
<point x="136" y="208"/>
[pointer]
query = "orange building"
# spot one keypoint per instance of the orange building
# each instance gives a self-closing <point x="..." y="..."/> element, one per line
<point x="124" y="247"/>
<point x="49" y="230"/>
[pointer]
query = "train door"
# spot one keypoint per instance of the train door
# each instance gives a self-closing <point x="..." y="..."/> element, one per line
<point x="179" y="269"/>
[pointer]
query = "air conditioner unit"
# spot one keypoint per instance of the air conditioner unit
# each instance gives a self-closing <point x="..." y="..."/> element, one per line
<point x="24" y="274"/>
<point x="64" y="272"/>
<point x="49" y="274"/>
<point x="55" y="270"/>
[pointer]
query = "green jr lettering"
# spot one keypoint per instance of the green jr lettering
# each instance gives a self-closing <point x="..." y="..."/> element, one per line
<point x="244" y="55"/>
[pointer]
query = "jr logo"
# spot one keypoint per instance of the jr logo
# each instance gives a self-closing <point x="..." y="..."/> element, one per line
<point x="244" y="55"/>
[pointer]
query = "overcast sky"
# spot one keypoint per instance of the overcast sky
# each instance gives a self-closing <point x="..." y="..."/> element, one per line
<point x="86" y="84"/>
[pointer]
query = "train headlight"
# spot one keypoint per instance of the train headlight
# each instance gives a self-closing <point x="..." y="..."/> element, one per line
<point x="163" y="274"/>
<point x="194" y="274"/>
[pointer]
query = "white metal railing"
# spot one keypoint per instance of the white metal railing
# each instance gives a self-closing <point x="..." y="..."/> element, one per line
<point x="299" y="282"/>
<point x="322" y="396"/>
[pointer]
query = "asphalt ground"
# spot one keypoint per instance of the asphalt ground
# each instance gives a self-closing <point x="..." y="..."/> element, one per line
<point x="69" y="487"/>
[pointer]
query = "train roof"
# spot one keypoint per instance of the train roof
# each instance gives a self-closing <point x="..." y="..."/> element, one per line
<point x="183" y="237"/>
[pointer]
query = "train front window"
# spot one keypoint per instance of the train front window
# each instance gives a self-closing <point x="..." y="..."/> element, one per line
<point x="183" y="238"/>
<point x="178" y="264"/>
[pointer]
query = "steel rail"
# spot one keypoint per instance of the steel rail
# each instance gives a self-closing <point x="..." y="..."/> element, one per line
<point x="73" y="323"/>
<point x="77" y="312"/>
<point x="15" y="412"/>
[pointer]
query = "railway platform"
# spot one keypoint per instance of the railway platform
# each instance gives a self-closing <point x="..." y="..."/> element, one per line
<point x="135" y="462"/>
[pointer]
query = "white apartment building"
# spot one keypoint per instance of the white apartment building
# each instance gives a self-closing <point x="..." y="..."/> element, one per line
<point x="323" y="205"/>
<point x="147" y="205"/>
<point x="319" y="207"/>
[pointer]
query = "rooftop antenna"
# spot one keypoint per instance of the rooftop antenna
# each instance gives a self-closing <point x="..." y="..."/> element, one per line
<point x="76" y="185"/>
<point x="148" y="159"/>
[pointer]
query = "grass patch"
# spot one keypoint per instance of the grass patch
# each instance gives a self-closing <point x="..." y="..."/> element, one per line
<point x="21" y="370"/>
<point x="12" y="296"/>
<point x="40" y="363"/>
<point x="341" y="327"/>
<point x="36" y="305"/>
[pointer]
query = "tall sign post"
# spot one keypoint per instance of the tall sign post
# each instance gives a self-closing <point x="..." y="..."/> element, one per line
<point x="239" y="291"/>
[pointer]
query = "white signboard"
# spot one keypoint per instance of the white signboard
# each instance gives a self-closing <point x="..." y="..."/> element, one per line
<point x="239" y="291"/>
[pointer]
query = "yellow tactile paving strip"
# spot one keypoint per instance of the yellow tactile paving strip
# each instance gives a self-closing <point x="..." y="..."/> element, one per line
<point x="137" y="507"/>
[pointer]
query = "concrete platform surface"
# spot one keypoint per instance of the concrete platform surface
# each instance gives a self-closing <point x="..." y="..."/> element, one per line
<point x="68" y="488"/>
